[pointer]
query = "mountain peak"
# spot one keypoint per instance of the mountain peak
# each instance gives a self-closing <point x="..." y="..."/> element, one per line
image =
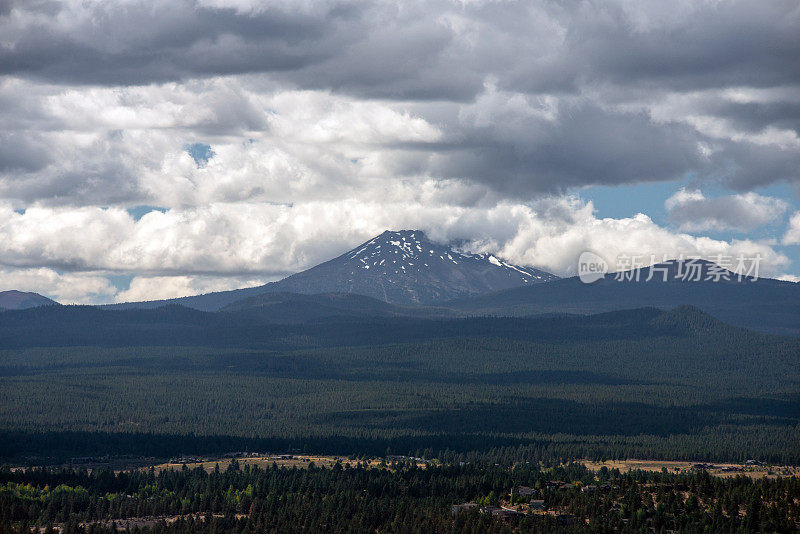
<point x="399" y="233"/>
<point x="397" y="266"/>
<point x="406" y="267"/>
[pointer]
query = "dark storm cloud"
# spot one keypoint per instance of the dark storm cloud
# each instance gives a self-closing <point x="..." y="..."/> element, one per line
<point x="717" y="44"/>
<point x="589" y="146"/>
<point x="406" y="50"/>
<point x="144" y="43"/>
<point x="33" y="170"/>
<point x="745" y="166"/>
<point x="107" y="183"/>
<point x="585" y="145"/>
<point x="22" y="153"/>
<point x="363" y="50"/>
<point x="756" y="116"/>
<point x="415" y="59"/>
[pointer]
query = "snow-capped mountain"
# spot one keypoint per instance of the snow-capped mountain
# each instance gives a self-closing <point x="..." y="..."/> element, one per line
<point x="402" y="267"/>
<point x="405" y="267"/>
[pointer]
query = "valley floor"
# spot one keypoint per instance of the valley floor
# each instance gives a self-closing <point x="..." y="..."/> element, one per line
<point x="752" y="469"/>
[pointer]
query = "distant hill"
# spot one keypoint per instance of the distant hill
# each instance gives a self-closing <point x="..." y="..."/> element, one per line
<point x="21" y="300"/>
<point x="58" y="326"/>
<point x="399" y="267"/>
<point x="764" y="304"/>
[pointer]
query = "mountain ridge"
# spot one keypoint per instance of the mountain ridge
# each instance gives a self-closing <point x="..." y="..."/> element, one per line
<point x="175" y="325"/>
<point x="762" y="304"/>
<point x="21" y="300"/>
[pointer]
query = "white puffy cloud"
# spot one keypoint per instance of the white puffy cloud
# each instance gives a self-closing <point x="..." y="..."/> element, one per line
<point x="143" y="288"/>
<point x="222" y="239"/>
<point x="693" y="211"/>
<point x="65" y="238"/>
<point x="66" y="288"/>
<point x="222" y="246"/>
<point x="552" y="235"/>
<point x="126" y="146"/>
<point x="792" y="236"/>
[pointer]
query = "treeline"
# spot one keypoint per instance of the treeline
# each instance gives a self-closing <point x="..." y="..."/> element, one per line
<point x="400" y="498"/>
<point x="732" y="444"/>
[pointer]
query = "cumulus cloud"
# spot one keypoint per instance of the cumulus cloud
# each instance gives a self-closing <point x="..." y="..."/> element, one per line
<point x="66" y="288"/>
<point x="128" y="146"/>
<point x="693" y="211"/>
<point x="143" y="288"/>
<point x="552" y="234"/>
<point x="217" y="239"/>
<point x="515" y="144"/>
<point x="792" y="236"/>
<point x="186" y="251"/>
<point x="103" y="146"/>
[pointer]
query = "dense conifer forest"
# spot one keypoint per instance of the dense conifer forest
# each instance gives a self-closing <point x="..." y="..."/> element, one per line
<point x="642" y="383"/>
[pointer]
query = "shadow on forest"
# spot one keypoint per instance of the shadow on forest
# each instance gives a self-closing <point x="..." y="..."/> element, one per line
<point x="553" y="416"/>
<point x="309" y="367"/>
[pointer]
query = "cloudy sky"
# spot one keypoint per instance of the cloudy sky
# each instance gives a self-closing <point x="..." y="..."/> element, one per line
<point x="168" y="147"/>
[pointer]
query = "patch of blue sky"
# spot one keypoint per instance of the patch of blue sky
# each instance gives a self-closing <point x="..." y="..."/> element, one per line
<point x="200" y="153"/>
<point x="121" y="282"/>
<point x="648" y="198"/>
<point x="624" y="201"/>
<point x="137" y="212"/>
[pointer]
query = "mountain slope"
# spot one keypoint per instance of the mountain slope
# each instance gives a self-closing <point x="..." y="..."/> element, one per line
<point x="20" y="300"/>
<point x="288" y="308"/>
<point x="763" y="304"/>
<point x="401" y="267"/>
